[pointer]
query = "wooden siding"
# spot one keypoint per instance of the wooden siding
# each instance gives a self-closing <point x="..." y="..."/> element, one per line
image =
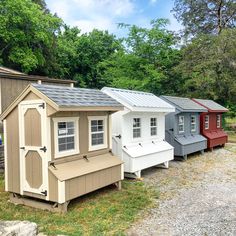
<point x="84" y="184"/>
<point x="12" y="141"/>
<point x="33" y="169"/>
<point x="32" y="120"/>
<point x="52" y="187"/>
<point x="11" y="88"/>
<point x="83" y="133"/>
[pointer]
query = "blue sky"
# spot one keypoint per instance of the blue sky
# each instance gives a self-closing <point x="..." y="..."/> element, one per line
<point x="105" y="14"/>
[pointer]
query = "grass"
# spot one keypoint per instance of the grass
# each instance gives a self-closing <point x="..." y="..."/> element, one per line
<point x="104" y="212"/>
<point x="230" y="123"/>
<point x="232" y="136"/>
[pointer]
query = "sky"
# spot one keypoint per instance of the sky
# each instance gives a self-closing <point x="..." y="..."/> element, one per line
<point x="106" y="14"/>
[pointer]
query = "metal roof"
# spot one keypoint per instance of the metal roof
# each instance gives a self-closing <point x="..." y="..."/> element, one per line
<point x="211" y="105"/>
<point x="137" y="99"/>
<point x="184" y="104"/>
<point x="76" y="97"/>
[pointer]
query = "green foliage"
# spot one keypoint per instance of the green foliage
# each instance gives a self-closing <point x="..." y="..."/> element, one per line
<point x="146" y="61"/>
<point x="27" y="35"/>
<point x="205" y="16"/>
<point x="209" y="67"/>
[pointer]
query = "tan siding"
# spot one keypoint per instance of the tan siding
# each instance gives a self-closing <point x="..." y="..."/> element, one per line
<point x="11" y="88"/>
<point x="32" y="120"/>
<point x="84" y="184"/>
<point x="83" y="132"/>
<point x="53" y="187"/>
<point x="13" y="151"/>
<point x="33" y="163"/>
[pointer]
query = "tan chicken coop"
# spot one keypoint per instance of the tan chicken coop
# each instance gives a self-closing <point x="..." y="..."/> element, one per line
<point x="58" y="145"/>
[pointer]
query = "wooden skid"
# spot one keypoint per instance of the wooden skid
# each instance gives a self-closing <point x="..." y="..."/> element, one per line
<point x="31" y="202"/>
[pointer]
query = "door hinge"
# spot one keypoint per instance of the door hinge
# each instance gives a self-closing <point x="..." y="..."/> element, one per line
<point x="42" y="105"/>
<point x="45" y="193"/>
<point x="43" y="149"/>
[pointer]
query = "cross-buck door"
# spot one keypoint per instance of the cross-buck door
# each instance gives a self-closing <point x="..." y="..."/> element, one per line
<point x="33" y="147"/>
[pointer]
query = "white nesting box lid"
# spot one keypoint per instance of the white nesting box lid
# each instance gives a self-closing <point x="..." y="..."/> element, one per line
<point x="139" y="101"/>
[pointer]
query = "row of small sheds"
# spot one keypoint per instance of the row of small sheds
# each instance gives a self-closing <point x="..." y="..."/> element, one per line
<point x="63" y="142"/>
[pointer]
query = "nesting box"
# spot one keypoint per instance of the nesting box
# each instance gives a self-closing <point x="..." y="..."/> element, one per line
<point x="211" y="123"/>
<point x="183" y="126"/>
<point x="58" y="146"/>
<point x="138" y="132"/>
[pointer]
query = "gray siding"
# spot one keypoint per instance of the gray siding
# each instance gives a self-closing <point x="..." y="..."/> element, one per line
<point x="175" y="138"/>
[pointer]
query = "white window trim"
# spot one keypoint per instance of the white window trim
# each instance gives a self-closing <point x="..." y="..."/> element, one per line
<point x="195" y="123"/>
<point x="101" y="146"/>
<point x="218" y="122"/>
<point x="208" y="118"/>
<point x="153" y="127"/>
<point x="137" y="138"/>
<point x="69" y="152"/>
<point x="182" y="131"/>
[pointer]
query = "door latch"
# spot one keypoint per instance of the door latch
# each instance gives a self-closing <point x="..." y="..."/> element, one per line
<point x="45" y="193"/>
<point x="118" y="136"/>
<point x="43" y="149"/>
<point x="42" y="105"/>
<point x="23" y="148"/>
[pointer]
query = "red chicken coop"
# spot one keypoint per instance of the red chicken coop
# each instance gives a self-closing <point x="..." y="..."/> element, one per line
<point x="211" y="123"/>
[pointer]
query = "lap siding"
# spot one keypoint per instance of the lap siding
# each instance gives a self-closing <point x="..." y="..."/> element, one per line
<point x="87" y="183"/>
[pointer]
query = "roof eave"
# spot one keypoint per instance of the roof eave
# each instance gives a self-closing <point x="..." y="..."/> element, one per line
<point x="152" y="109"/>
<point x="91" y="108"/>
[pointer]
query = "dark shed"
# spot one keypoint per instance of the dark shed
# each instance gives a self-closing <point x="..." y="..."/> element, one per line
<point x="211" y="123"/>
<point x="183" y="128"/>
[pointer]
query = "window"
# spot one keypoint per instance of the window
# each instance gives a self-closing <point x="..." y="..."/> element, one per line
<point x="136" y="128"/>
<point x="218" y="121"/>
<point x="193" y="123"/>
<point x="181" y="124"/>
<point x="97" y="133"/>
<point x="66" y="136"/>
<point x="206" y="122"/>
<point x="153" y="125"/>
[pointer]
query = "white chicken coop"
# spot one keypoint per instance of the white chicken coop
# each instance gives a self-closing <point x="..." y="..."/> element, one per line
<point x="138" y="132"/>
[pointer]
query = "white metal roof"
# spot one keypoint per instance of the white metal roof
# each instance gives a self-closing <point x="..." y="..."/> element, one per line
<point x="139" y="101"/>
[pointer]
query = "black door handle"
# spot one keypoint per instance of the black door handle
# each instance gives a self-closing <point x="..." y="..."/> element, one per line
<point x="118" y="136"/>
<point x="23" y="148"/>
<point x="43" y="149"/>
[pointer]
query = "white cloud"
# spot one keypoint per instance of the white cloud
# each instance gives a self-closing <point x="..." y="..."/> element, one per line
<point x="152" y="1"/>
<point x="90" y="14"/>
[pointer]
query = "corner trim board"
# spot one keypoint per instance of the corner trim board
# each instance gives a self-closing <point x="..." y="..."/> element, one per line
<point x="61" y="191"/>
<point x="5" y="154"/>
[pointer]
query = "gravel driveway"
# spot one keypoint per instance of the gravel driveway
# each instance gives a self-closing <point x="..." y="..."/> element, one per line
<point x="197" y="197"/>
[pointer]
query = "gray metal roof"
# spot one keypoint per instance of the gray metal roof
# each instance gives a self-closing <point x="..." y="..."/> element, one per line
<point x="211" y="105"/>
<point x="184" y="104"/>
<point x="76" y="97"/>
<point x="137" y="98"/>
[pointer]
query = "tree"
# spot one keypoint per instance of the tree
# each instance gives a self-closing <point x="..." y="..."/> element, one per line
<point x="27" y="36"/>
<point x="208" y="67"/>
<point x="205" y="16"/>
<point x="147" y="60"/>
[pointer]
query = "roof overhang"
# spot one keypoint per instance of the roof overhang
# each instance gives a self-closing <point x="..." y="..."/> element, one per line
<point x="152" y="109"/>
<point x="34" y="78"/>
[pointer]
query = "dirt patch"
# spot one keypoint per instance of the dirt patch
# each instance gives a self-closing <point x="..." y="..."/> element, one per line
<point x="197" y="197"/>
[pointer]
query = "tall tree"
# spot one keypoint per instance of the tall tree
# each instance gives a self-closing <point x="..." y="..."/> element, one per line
<point x="27" y="36"/>
<point x="209" y="67"/>
<point x="205" y="16"/>
<point x="147" y="61"/>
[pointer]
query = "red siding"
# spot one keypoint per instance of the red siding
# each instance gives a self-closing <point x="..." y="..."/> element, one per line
<point x="215" y="136"/>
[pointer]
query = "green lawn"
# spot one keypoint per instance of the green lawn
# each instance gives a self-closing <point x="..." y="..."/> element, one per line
<point x="231" y="137"/>
<point x="105" y="212"/>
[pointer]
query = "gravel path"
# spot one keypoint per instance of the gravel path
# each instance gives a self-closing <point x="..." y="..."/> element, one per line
<point x="197" y="197"/>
